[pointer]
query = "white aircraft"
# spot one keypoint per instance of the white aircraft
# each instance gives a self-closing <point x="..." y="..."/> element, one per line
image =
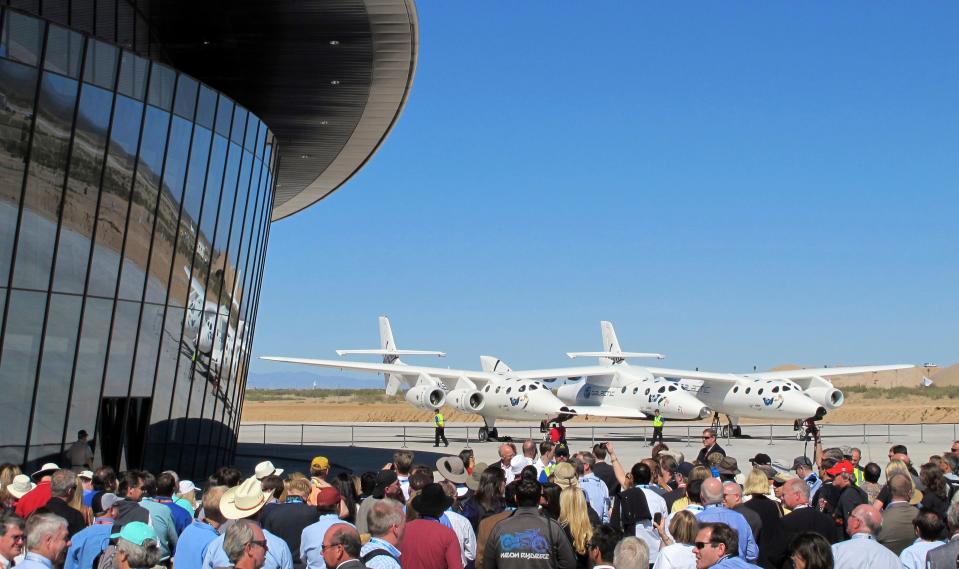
<point x="792" y="394"/>
<point x="492" y="395"/>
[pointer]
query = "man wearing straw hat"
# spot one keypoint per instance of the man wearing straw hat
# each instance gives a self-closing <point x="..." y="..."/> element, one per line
<point x="246" y="502"/>
<point x="40" y="495"/>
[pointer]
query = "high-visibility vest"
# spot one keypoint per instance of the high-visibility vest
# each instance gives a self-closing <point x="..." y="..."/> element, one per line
<point x="438" y="419"/>
<point x="658" y="421"/>
<point x="857" y="472"/>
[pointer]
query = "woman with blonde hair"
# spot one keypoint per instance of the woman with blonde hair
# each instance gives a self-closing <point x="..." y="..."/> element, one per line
<point x="677" y="551"/>
<point x="8" y="472"/>
<point x="77" y="503"/>
<point x="885" y="496"/>
<point x="574" y="518"/>
<point x="772" y="538"/>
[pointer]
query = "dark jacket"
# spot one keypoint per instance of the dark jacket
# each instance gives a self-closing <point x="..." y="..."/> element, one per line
<point x="75" y="520"/>
<point x="772" y="539"/>
<point x="605" y="472"/>
<point x="127" y="512"/>
<point x="944" y="557"/>
<point x="528" y="540"/>
<point x="704" y="452"/>
<point x="287" y="522"/>
<point x="629" y="508"/>
<point x="810" y="519"/>
<point x="752" y="518"/>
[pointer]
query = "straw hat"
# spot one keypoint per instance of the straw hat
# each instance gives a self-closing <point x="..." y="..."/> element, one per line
<point x="473" y="481"/>
<point x="21" y="485"/>
<point x="47" y="468"/>
<point x="451" y="468"/>
<point x="244" y="500"/>
<point x="565" y="475"/>
<point x="265" y="469"/>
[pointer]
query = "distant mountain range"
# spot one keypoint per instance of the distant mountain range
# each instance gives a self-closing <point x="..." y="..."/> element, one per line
<point x="305" y="380"/>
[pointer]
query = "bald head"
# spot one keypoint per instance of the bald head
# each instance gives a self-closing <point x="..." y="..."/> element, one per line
<point x="867" y="520"/>
<point x="712" y="492"/>
<point x="732" y="494"/>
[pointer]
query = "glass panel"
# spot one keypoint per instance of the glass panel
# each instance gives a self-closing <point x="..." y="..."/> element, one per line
<point x="101" y="65"/>
<point x="252" y="129"/>
<point x="21" y="38"/>
<point x="239" y="123"/>
<point x="166" y="370"/>
<point x="224" y="116"/>
<point x="91" y="357"/>
<point x="168" y="210"/>
<point x="45" y="177"/>
<point x="143" y="203"/>
<point x="185" y="100"/>
<point x="261" y="142"/>
<point x="56" y="367"/>
<point x="120" y="358"/>
<point x="64" y="51"/>
<point x="148" y="345"/>
<point x="183" y="284"/>
<point x="18" y="367"/>
<point x="211" y="197"/>
<point x="133" y="76"/>
<point x="115" y="197"/>
<point x="162" y="80"/>
<point x="83" y="187"/>
<point x="206" y="108"/>
<point x="18" y="85"/>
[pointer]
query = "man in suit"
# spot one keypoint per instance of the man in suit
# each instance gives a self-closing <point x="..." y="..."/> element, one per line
<point x="709" y="447"/>
<point x="341" y="547"/>
<point x="944" y="557"/>
<point x="897" y="531"/>
<point x="804" y="518"/>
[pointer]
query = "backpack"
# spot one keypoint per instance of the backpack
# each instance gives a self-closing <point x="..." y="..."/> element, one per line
<point x="377" y="553"/>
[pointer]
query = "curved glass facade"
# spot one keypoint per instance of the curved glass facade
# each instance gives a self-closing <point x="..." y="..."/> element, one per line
<point x="134" y="215"/>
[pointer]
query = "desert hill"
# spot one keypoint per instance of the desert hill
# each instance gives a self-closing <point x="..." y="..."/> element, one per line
<point x="941" y="376"/>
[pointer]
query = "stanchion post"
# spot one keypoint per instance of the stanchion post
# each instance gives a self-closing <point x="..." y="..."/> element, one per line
<point x="592" y="436"/>
<point x="352" y="436"/>
<point x="301" y="434"/>
<point x="888" y="433"/>
<point x="688" y="439"/>
<point x="531" y="433"/>
<point x="770" y="434"/>
<point x="467" y="437"/>
<point x="264" y="433"/>
<point x="404" y="436"/>
<point x="921" y="433"/>
<point x="864" y="433"/>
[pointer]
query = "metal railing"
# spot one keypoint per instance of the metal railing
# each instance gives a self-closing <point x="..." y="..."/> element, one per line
<point x="687" y="435"/>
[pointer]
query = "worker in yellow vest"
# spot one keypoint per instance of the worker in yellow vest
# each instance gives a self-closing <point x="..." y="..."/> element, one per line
<point x="439" y="424"/>
<point x="657" y="428"/>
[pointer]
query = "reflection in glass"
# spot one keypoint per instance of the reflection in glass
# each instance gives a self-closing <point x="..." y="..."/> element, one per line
<point x="59" y="346"/>
<point x="21" y="38"/>
<point x="18" y="363"/>
<point x="162" y="80"/>
<point x="18" y="85"/>
<point x="206" y="107"/>
<point x="224" y="116"/>
<point x="120" y="360"/>
<point x="142" y="205"/>
<point x="115" y="196"/>
<point x="148" y="346"/>
<point x="64" y="51"/>
<point x="83" y="187"/>
<point x="168" y="210"/>
<point x="91" y="357"/>
<point x="45" y="177"/>
<point x="101" y="64"/>
<point x="185" y="99"/>
<point x="133" y="76"/>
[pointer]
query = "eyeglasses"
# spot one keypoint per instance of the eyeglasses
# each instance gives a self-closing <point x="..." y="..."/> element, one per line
<point x="703" y="544"/>
<point x="260" y="543"/>
<point x="325" y="547"/>
<point x="21" y="537"/>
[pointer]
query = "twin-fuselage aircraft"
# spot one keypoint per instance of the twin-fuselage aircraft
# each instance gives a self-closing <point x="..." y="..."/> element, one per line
<point x="613" y="388"/>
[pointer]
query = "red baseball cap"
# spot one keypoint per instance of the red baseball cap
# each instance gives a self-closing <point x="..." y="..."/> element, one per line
<point x="843" y="467"/>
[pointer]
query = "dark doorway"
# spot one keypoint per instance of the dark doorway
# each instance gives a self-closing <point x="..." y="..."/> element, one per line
<point x="122" y="430"/>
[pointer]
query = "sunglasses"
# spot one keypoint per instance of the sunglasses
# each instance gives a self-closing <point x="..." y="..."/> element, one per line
<point x="703" y="544"/>
<point x="261" y="543"/>
<point x="325" y="547"/>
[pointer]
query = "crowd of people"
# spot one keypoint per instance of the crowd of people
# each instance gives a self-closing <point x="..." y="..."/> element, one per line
<point x="542" y="505"/>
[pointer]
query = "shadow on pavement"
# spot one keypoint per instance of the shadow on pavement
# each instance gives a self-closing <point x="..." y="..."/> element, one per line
<point x="295" y="458"/>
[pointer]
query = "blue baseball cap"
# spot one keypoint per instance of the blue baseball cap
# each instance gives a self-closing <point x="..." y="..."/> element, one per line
<point x="136" y="532"/>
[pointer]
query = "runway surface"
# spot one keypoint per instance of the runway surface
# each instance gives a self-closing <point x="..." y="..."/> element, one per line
<point x="367" y="446"/>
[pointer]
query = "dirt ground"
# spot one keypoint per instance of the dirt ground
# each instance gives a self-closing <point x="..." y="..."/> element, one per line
<point x="857" y="409"/>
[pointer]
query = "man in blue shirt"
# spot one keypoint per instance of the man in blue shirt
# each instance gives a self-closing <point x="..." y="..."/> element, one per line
<point x="90" y="542"/>
<point x="166" y="486"/>
<point x="192" y="546"/>
<point x="311" y="540"/>
<point x="245" y="502"/>
<point x="715" y="511"/>
<point x="597" y="494"/>
<point x="803" y="467"/>
<point x="161" y="519"/>
<point x="387" y="524"/>
<point x="715" y="548"/>
<point x="47" y="541"/>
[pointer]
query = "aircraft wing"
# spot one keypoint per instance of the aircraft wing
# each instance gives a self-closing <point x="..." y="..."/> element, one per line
<point x="687" y="374"/>
<point x="478" y="377"/>
<point x="808" y="373"/>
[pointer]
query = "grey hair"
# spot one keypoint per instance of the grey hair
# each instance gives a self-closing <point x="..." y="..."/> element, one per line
<point x="383" y="515"/>
<point x="732" y="487"/>
<point x="800" y="486"/>
<point x="62" y="483"/>
<point x="952" y="461"/>
<point x="40" y="526"/>
<point x="952" y="517"/>
<point x="10" y="519"/>
<point x="587" y="458"/>
<point x="236" y="539"/>
<point x="345" y="535"/>
<point x="140" y="556"/>
<point x="631" y="553"/>
<point x="712" y="432"/>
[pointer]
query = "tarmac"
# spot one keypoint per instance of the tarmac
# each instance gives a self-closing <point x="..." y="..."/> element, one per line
<point x="368" y="446"/>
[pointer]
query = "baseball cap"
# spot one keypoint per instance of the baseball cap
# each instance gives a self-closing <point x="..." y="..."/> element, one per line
<point x="136" y="532"/>
<point x="320" y="463"/>
<point x="328" y="496"/>
<point x="761" y="458"/>
<point x="685" y="469"/>
<point x="801" y="461"/>
<point x="383" y="479"/>
<point x="86" y="474"/>
<point x="843" y="467"/>
<point x="103" y="501"/>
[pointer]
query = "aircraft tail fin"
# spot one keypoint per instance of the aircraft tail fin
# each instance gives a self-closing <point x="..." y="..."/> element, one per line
<point x="386" y="335"/>
<point x="493" y="364"/>
<point x="612" y="353"/>
<point x="610" y="342"/>
<point x="388" y="347"/>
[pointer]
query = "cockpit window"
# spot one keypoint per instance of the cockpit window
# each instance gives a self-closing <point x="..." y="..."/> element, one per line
<point x="647" y="391"/>
<point x="623" y="390"/>
<point x="747" y="390"/>
<point x="736" y="389"/>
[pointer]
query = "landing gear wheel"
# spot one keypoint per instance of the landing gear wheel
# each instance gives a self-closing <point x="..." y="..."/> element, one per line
<point x="724" y="432"/>
<point x="737" y="431"/>
<point x="493" y="434"/>
<point x="483" y="434"/>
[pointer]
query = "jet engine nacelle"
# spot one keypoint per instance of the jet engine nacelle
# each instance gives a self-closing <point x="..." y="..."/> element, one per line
<point x="426" y="397"/>
<point x="825" y="394"/>
<point x="467" y="400"/>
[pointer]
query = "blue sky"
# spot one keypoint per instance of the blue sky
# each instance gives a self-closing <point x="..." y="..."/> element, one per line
<point x="732" y="184"/>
